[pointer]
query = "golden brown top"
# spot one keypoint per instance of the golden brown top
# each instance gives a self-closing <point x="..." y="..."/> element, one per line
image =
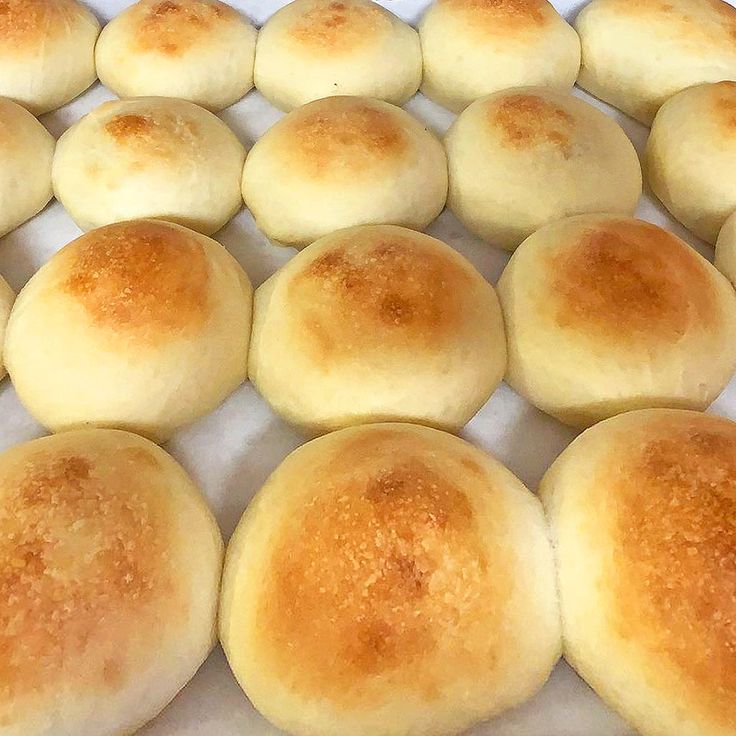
<point x="84" y="561"/>
<point x="384" y="580"/>
<point x="724" y="102"/>
<point x="528" y="121"/>
<point x="378" y="289"/>
<point x="629" y="280"/>
<point x="144" y="277"/>
<point x="499" y="18"/>
<point x="29" y="24"/>
<point x="675" y="537"/>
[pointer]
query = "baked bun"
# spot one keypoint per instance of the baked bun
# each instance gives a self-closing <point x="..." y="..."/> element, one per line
<point x="472" y="48"/>
<point x="149" y="157"/>
<point x="47" y="52"/>
<point x="606" y="314"/>
<point x="377" y="323"/>
<point x="109" y="570"/>
<point x="691" y="157"/>
<point x="522" y="158"/>
<point x="389" y="579"/>
<point x="643" y="514"/>
<point x="7" y="297"/>
<point x="26" y="152"/>
<point x="638" y="53"/>
<point x="344" y="161"/>
<point x="197" y="50"/>
<point x="318" y="48"/>
<point x="726" y="249"/>
<point x="141" y="325"/>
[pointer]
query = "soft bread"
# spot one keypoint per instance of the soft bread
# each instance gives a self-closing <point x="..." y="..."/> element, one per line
<point x="389" y="579"/>
<point x="340" y="162"/>
<point x="523" y="158"/>
<point x="725" y="258"/>
<point x="375" y="323"/>
<point x="311" y="49"/>
<point x="7" y="297"/>
<point x="141" y="325"/>
<point x="606" y="314"/>
<point x="472" y="48"/>
<point x="643" y="514"/>
<point x="109" y="571"/>
<point x="197" y="50"/>
<point x="149" y="157"/>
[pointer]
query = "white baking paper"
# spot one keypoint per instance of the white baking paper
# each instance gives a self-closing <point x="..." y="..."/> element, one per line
<point x="231" y="452"/>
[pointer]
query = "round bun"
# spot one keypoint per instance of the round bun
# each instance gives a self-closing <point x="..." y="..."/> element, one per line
<point x="149" y="157"/>
<point x="691" y="157"/>
<point x="377" y="323"/>
<point x="389" y="579"/>
<point x="726" y="249"/>
<point x="319" y="48"/>
<point x="606" y="314"/>
<point x="109" y="570"/>
<point x="472" y="48"/>
<point x="7" y="297"/>
<point x="340" y="162"/>
<point x="26" y="152"/>
<point x="523" y="158"/>
<point x="47" y="52"/>
<point x="140" y="325"/>
<point x="637" y="54"/>
<point x="197" y="50"/>
<point x="643" y="514"/>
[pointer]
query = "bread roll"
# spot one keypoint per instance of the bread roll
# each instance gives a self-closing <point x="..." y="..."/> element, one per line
<point x="47" y="52"/>
<point x="141" y="325"/>
<point x="7" y="297"/>
<point x="726" y="249"/>
<point x="691" y="157"/>
<point x="198" y="50"/>
<point x="643" y="514"/>
<point x="637" y="54"/>
<point x="472" y="48"/>
<point x="374" y="323"/>
<point x="522" y="158"/>
<point x="26" y="152"/>
<point x="109" y="571"/>
<point x="149" y="157"/>
<point x="344" y="161"/>
<point x="389" y="579"/>
<point x="606" y="314"/>
<point x="319" y="48"/>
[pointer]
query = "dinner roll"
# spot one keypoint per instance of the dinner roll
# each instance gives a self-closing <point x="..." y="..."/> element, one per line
<point x="318" y="48"/>
<point x="109" y="571"/>
<point x="141" y="325"/>
<point x="389" y="579"/>
<point x="606" y="314"/>
<point x="472" y="48"/>
<point x="643" y="512"/>
<point x="691" y="157"/>
<point x="26" y="151"/>
<point x="47" y="52"/>
<point x="726" y="249"/>
<point x="526" y="157"/>
<point x="373" y="323"/>
<point x="198" y="50"/>
<point x="638" y="54"/>
<point x="7" y="296"/>
<point x="149" y="157"/>
<point x="344" y="161"/>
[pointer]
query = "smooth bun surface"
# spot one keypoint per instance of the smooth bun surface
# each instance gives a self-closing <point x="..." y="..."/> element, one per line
<point x="523" y="158"/>
<point x="47" y="54"/>
<point x="606" y="314"/>
<point x="637" y="54"/>
<point x="7" y="297"/>
<point x="197" y="50"/>
<point x="149" y="157"/>
<point x="141" y="325"/>
<point x="109" y="571"/>
<point x="340" y="162"/>
<point x="320" y="48"/>
<point x="691" y="157"/>
<point x="26" y="152"/>
<point x="472" y="48"/>
<point x="725" y="259"/>
<point x="643" y="514"/>
<point x="377" y="323"/>
<point x="389" y="579"/>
